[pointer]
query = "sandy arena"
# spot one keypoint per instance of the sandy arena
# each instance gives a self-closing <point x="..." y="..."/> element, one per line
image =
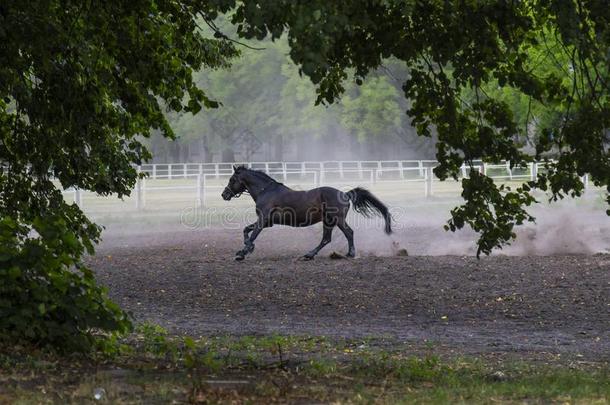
<point x="528" y="305"/>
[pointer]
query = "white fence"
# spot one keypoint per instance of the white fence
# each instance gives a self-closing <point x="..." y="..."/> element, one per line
<point x="176" y="170"/>
<point x="195" y="181"/>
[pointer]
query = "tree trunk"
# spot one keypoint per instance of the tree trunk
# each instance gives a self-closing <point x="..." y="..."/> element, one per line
<point x="174" y="149"/>
<point x="184" y="153"/>
<point x="228" y="155"/>
<point x="301" y="145"/>
<point x="207" y="153"/>
<point x="355" y="148"/>
<point x="278" y="152"/>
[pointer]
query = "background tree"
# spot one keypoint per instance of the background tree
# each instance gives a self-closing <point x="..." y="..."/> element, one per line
<point x="265" y="98"/>
<point x="374" y="114"/>
<point x="249" y="92"/>
<point x="299" y="119"/>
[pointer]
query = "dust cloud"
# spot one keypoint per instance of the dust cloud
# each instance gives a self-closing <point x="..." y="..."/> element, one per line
<point x="566" y="228"/>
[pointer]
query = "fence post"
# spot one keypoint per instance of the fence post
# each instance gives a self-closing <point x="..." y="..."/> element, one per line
<point x="138" y="189"/>
<point x="509" y="170"/>
<point x="429" y="176"/>
<point x="78" y="197"/>
<point x="185" y="170"/>
<point x="154" y="172"/>
<point x="200" y="190"/>
<point x="360" y="170"/>
<point x="483" y="169"/>
<point x="169" y="171"/>
<point x="341" y="170"/>
<point x="284" y="171"/>
<point x="143" y="191"/>
<point x="534" y="171"/>
<point x="585" y="181"/>
<point x="379" y="170"/>
<point x="420" y="165"/>
<point x="139" y="204"/>
<point x="216" y="171"/>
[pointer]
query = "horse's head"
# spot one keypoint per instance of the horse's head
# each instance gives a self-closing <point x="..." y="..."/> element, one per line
<point x="236" y="184"/>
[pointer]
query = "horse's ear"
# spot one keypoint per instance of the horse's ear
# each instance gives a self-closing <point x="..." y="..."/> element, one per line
<point x="234" y="168"/>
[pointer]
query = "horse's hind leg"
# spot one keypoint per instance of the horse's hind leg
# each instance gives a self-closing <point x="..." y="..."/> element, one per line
<point x="349" y="235"/>
<point x="326" y="238"/>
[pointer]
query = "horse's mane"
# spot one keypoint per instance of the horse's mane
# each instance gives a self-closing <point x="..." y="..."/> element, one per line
<point x="257" y="173"/>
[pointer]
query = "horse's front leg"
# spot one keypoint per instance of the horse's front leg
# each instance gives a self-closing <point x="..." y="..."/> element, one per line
<point x="247" y="230"/>
<point x="257" y="227"/>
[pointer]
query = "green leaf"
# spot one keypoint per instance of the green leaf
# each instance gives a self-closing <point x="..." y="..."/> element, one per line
<point x="14" y="272"/>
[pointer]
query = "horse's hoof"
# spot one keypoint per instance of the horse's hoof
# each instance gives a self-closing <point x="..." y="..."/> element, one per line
<point x="306" y="258"/>
<point x="239" y="258"/>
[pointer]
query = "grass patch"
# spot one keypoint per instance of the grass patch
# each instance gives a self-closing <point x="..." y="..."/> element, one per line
<point x="152" y="366"/>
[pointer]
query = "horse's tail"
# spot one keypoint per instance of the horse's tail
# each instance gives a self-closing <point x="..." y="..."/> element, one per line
<point x="367" y="204"/>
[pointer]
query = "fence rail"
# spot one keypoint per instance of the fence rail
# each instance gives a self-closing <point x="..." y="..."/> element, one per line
<point x="198" y="180"/>
<point x="176" y="170"/>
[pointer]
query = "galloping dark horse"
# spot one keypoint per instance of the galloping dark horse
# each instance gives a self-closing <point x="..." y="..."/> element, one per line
<point x="278" y="204"/>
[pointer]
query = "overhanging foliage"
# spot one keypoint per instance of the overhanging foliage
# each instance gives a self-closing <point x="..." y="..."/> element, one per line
<point x="79" y="81"/>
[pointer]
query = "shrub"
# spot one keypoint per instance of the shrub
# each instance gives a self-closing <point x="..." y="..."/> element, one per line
<point x="47" y="296"/>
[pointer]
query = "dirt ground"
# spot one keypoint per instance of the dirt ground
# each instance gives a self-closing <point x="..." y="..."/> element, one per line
<point x="187" y="281"/>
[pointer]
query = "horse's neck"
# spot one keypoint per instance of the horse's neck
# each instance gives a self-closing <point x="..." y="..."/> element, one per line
<point x="257" y="185"/>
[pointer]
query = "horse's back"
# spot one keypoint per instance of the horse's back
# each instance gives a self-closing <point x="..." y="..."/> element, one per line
<point x="314" y="195"/>
<point x="307" y="207"/>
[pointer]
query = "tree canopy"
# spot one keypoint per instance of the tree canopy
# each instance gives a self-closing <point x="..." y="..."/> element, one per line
<point x="81" y="82"/>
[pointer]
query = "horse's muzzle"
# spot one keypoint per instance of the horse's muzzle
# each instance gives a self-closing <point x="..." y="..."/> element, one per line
<point x="227" y="194"/>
